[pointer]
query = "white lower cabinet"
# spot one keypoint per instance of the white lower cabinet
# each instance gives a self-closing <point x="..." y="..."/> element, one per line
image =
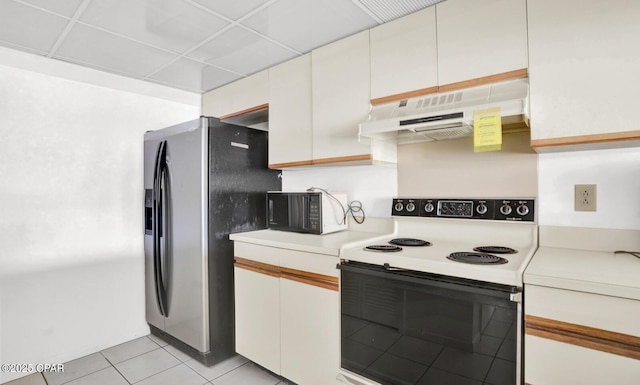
<point x="309" y="330"/>
<point x="288" y="312"/>
<point x="258" y="318"/>
<point x="574" y="337"/>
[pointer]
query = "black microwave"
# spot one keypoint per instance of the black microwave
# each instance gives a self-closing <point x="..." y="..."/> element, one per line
<point x="306" y="212"/>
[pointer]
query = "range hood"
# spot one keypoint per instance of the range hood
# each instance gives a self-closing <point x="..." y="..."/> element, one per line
<point x="447" y="115"/>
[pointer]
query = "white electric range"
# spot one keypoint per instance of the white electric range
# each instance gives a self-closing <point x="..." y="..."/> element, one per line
<point x="439" y="301"/>
<point x="428" y="231"/>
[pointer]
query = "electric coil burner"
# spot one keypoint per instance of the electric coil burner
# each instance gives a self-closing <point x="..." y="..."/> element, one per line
<point x="495" y="249"/>
<point x="411" y="242"/>
<point x="477" y="258"/>
<point x="383" y="248"/>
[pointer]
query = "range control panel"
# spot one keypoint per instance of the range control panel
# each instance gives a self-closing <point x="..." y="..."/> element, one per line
<point x="492" y="209"/>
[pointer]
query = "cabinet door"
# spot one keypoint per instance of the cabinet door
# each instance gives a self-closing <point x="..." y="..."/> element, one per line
<point x="310" y="333"/>
<point x="480" y="38"/>
<point x="340" y="81"/>
<point x="584" y="62"/>
<point x="403" y="55"/>
<point x="257" y="311"/>
<point x="238" y="96"/>
<point x="574" y="337"/>
<point x="290" y="113"/>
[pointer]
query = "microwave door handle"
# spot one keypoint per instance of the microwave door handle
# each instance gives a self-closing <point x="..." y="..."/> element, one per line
<point x="270" y="208"/>
<point x="294" y="211"/>
<point x="305" y="212"/>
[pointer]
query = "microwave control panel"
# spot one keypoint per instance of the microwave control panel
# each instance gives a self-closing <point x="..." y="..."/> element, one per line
<point x="315" y="208"/>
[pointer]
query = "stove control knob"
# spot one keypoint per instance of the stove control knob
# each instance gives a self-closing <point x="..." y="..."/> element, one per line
<point x="481" y="209"/>
<point x="505" y="209"/>
<point x="522" y="210"/>
<point x="398" y="206"/>
<point x="411" y="207"/>
<point x="429" y="207"/>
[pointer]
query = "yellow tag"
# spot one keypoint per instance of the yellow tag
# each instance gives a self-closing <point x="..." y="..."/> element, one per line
<point x="487" y="130"/>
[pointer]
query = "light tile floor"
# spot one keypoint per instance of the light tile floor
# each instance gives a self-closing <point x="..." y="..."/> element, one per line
<point x="151" y="361"/>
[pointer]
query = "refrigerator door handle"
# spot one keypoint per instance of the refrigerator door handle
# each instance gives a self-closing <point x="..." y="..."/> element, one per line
<point x="158" y="226"/>
<point x="166" y="256"/>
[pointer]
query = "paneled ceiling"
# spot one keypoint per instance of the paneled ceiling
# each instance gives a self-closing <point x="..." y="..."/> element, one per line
<point x="193" y="45"/>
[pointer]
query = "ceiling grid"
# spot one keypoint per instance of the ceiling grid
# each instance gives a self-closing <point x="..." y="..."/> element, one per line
<point x="193" y="45"/>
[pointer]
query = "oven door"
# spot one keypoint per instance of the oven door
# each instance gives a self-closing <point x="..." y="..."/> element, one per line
<point x="407" y="327"/>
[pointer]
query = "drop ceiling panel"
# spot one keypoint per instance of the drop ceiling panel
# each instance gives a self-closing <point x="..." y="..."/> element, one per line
<point x="241" y="51"/>
<point x="306" y="24"/>
<point x="99" y="49"/>
<point x="28" y="27"/>
<point x="233" y="9"/>
<point x="63" y="7"/>
<point x="188" y="44"/>
<point x="170" y="24"/>
<point x="194" y="76"/>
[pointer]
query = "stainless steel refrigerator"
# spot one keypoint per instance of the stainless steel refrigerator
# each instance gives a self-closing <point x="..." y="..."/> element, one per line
<point x="203" y="180"/>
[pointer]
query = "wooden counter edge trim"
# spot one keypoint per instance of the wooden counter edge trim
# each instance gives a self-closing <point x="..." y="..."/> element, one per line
<point x="319" y="280"/>
<point x="257" y="267"/>
<point x="586" y="139"/>
<point x="246" y="111"/>
<point x="598" y="339"/>
<point x="509" y="75"/>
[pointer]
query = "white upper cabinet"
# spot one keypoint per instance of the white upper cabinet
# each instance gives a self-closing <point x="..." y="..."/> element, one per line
<point x="340" y="83"/>
<point x="480" y="38"/>
<point x="404" y="55"/>
<point x="584" y="61"/>
<point x="241" y="95"/>
<point x="290" y="132"/>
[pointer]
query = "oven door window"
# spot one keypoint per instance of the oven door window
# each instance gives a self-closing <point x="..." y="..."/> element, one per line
<point x="403" y="328"/>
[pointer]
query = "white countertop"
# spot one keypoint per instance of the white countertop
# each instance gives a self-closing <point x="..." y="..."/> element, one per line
<point x="328" y="244"/>
<point x="596" y="272"/>
<point x="593" y="271"/>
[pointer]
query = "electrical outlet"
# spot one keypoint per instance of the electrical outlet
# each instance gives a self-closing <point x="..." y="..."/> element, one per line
<point x="585" y="197"/>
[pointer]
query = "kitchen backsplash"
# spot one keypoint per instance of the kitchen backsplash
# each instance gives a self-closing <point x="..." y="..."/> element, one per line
<point x="450" y="168"/>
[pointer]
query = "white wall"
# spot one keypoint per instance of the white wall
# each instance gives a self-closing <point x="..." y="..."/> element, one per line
<point x="71" y="203"/>
<point x="616" y="173"/>
<point x="374" y="186"/>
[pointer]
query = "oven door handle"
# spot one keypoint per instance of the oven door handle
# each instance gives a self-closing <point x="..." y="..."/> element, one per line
<point x="427" y="279"/>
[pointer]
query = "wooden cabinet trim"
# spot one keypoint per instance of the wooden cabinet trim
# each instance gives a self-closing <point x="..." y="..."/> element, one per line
<point x="592" y="338"/>
<point x="353" y="160"/>
<point x="314" y="279"/>
<point x="257" y="267"/>
<point x="343" y="159"/>
<point x="404" y="95"/>
<point x="247" y="111"/>
<point x="510" y="75"/>
<point x="278" y="166"/>
<point x="586" y="139"/>
<point x="319" y="280"/>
